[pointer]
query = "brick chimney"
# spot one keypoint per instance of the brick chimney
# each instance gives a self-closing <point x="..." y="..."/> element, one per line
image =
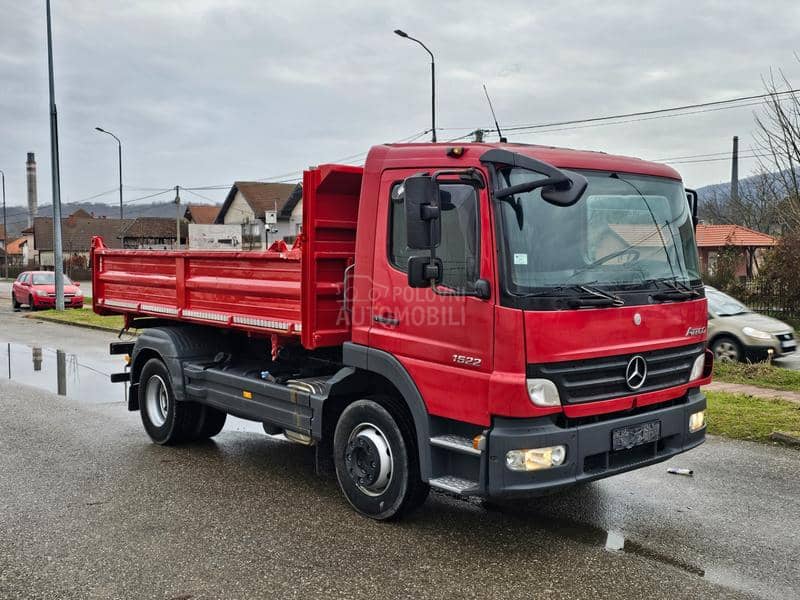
<point x="33" y="208"/>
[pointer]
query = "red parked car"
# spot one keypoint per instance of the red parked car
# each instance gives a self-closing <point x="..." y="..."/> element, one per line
<point x="37" y="289"/>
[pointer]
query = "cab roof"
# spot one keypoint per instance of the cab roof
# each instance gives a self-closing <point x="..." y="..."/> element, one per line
<point x="399" y="155"/>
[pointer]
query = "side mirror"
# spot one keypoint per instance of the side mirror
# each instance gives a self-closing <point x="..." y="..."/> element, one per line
<point x="567" y="193"/>
<point x="560" y="188"/>
<point x="423" y="226"/>
<point x="421" y="269"/>
<point x="692" y="199"/>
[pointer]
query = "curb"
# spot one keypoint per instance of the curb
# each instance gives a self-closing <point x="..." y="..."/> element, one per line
<point x="36" y="317"/>
<point x="785" y="438"/>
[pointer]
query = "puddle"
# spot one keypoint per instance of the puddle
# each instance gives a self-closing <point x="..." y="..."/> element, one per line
<point x="61" y="372"/>
<point x="76" y="377"/>
<point x="616" y="542"/>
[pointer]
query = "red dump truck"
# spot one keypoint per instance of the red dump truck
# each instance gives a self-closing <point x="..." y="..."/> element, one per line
<point x="489" y="320"/>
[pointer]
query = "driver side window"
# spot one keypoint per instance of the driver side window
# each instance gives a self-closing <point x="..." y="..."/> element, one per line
<point x="459" y="245"/>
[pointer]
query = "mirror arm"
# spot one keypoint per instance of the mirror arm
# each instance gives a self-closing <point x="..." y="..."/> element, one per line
<point x="528" y="186"/>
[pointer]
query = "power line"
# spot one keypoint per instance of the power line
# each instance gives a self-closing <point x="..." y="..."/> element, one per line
<point x="652" y="112"/>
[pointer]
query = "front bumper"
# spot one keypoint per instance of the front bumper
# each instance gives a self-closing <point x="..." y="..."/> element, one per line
<point x="48" y="302"/>
<point x="589" y="448"/>
<point x="758" y="352"/>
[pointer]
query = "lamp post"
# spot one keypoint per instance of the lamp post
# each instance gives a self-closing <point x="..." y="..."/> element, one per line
<point x="403" y="34"/>
<point x="5" y="230"/>
<point x="55" y="172"/>
<point x="119" y="149"/>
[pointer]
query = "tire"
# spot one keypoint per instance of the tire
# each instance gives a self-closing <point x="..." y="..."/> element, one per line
<point x="210" y="423"/>
<point x="727" y="349"/>
<point x="30" y="303"/>
<point x="14" y="304"/>
<point x="165" y="420"/>
<point x="376" y="459"/>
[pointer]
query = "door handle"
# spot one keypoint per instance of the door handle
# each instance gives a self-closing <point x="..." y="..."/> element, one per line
<point x="386" y="319"/>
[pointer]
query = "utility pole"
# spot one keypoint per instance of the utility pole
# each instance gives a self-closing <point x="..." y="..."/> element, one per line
<point x="58" y="261"/>
<point x="735" y="170"/>
<point x="177" y="217"/>
<point x="5" y="229"/>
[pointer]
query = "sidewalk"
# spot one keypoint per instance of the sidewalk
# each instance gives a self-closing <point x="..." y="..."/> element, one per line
<point x="752" y="390"/>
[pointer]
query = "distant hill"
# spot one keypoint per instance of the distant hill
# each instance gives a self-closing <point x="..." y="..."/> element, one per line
<point x="153" y="209"/>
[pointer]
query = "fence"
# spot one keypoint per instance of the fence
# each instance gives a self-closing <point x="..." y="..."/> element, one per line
<point x="769" y="298"/>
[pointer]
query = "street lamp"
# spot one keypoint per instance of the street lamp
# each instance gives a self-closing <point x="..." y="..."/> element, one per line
<point x="403" y="34"/>
<point x="5" y="229"/>
<point x="119" y="148"/>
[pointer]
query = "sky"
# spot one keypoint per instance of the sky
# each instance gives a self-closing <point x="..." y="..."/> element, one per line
<point x="205" y="92"/>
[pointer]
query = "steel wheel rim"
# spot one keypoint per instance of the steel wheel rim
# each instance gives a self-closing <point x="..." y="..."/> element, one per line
<point x="156" y="400"/>
<point x="383" y="471"/>
<point x="727" y="351"/>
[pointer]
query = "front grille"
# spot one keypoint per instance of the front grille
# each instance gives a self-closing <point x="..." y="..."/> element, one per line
<point x="784" y="337"/>
<point x="604" y="378"/>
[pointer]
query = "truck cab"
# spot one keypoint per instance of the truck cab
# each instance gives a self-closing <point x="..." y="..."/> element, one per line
<point x="572" y="334"/>
<point x="486" y="319"/>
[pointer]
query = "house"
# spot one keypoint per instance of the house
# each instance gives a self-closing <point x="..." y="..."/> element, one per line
<point x="248" y="201"/>
<point x="201" y="214"/>
<point x="749" y="244"/>
<point x="30" y="255"/>
<point x="77" y="232"/>
<point x="152" y="233"/>
<point x="17" y="252"/>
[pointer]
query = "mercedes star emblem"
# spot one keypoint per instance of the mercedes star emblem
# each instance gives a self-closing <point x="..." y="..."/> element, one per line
<point x="636" y="373"/>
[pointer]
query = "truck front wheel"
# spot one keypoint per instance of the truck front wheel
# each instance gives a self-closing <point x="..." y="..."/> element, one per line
<point x="166" y="421"/>
<point x="376" y="460"/>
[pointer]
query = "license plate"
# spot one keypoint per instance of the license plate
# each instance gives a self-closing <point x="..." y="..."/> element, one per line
<point x="628" y="437"/>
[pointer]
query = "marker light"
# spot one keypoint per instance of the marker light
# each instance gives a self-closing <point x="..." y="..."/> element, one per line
<point x="697" y="421"/>
<point x="543" y="392"/>
<point x="455" y="151"/>
<point x="697" y="367"/>
<point x="535" y="459"/>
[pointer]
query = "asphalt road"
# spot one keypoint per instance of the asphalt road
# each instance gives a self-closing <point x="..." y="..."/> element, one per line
<point x="89" y="508"/>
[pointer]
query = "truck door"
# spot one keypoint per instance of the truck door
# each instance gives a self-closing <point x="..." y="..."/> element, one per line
<point x="446" y="343"/>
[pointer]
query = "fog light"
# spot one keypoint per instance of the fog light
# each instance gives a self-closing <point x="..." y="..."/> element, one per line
<point x="697" y="421"/>
<point x="535" y="459"/>
<point x="543" y="392"/>
<point x="697" y="367"/>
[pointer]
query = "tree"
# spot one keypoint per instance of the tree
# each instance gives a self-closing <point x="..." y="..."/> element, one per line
<point x="778" y="135"/>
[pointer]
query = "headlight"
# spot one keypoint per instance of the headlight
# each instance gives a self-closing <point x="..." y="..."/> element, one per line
<point x="543" y="392"/>
<point x="756" y="333"/>
<point x="697" y="367"/>
<point x="40" y="292"/>
<point x="697" y="421"/>
<point x="535" y="459"/>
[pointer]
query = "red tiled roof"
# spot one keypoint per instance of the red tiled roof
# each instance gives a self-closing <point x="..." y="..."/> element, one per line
<point x="15" y="247"/>
<point x="201" y="213"/>
<point x="717" y="236"/>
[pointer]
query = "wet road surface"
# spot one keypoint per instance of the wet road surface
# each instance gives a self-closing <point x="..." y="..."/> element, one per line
<point x="89" y="508"/>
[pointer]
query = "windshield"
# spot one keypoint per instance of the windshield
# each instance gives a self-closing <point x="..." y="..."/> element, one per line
<point x="48" y="279"/>
<point x="723" y="305"/>
<point x="625" y="232"/>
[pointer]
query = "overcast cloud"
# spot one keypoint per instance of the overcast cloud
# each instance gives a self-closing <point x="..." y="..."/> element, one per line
<point x="205" y="92"/>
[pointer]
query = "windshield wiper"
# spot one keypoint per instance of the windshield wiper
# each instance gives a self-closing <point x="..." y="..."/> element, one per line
<point x="589" y="296"/>
<point x="677" y="290"/>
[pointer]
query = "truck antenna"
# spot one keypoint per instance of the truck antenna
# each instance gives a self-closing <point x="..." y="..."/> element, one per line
<point x="496" y="124"/>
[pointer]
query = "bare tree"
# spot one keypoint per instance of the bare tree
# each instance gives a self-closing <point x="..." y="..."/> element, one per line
<point x="778" y="135"/>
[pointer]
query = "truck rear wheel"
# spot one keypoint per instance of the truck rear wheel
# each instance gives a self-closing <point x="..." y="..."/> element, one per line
<point x="376" y="460"/>
<point x="211" y="422"/>
<point x="165" y="420"/>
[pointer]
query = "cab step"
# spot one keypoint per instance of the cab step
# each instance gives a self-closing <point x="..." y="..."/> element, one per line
<point x="454" y="485"/>
<point x="455" y="443"/>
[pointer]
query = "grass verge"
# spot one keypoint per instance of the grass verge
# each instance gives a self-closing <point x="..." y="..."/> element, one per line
<point x="82" y="317"/>
<point x="761" y="374"/>
<point x="743" y="417"/>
